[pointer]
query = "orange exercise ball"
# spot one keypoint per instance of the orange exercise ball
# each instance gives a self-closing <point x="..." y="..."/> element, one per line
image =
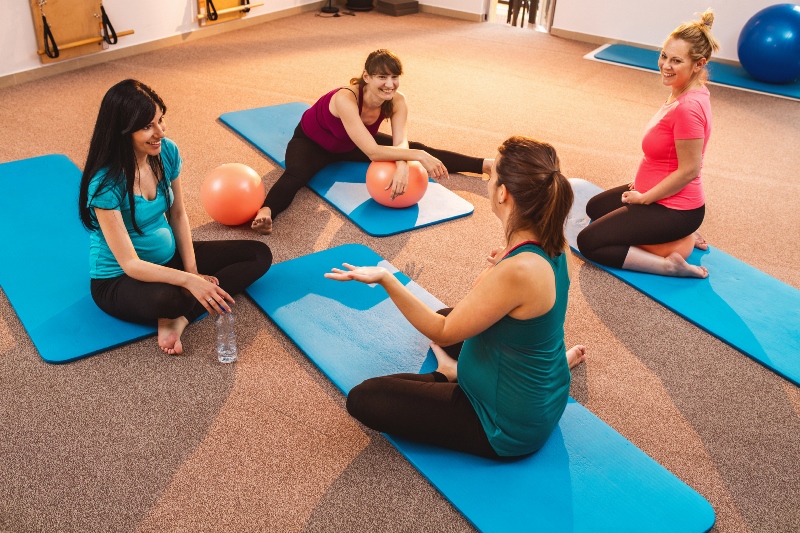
<point x="379" y="177"/>
<point x="232" y="194"/>
<point x="682" y="246"/>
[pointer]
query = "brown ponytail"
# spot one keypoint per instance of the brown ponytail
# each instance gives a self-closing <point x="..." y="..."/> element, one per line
<point x="381" y="62"/>
<point x="530" y="170"/>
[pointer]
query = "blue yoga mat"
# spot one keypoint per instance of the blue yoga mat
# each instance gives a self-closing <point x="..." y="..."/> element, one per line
<point x="343" y="184"/>
<point x="740" y="305"/>
<point x="587" y="477"/>
<point x="731" y="75"/>
<point x="45" y="266"/>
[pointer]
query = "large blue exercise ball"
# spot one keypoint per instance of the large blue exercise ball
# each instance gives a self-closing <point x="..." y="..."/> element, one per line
<point x="769" y="45"/>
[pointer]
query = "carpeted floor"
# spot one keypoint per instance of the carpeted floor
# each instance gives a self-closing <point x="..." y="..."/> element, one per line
<point x="133" y="440"/>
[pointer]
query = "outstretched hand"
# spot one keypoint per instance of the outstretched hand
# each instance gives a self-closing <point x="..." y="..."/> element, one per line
<point x="353" y="273"/>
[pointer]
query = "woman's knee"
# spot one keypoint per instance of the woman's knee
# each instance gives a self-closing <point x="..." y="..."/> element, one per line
<point x="172" y="302"/>
<point x="361" y="399"/>
<point x="584" y="242"/>
<point x="262" y="255"/>
<point x="593" y="250"/>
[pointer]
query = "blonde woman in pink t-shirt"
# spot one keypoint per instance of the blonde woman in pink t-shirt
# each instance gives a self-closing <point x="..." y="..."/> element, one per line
<point x="665" y="202"/>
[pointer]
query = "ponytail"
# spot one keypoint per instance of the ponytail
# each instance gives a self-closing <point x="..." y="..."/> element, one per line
<point x="530" y="170"/>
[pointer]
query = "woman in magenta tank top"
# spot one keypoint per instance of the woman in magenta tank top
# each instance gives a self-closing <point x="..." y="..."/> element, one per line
<point x="343" y="126"/>
<point x="665" y="202"/>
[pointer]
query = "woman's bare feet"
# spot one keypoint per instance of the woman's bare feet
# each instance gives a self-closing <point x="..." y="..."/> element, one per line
<point x="576" y="355"/>
<point x="262" y="223"/>
<point x="169" y="334"/>
<point x="672" y="265"/>
<point x="677" y="266"/>
<point x="447" y="365"/>
<point x="700" y="242"/>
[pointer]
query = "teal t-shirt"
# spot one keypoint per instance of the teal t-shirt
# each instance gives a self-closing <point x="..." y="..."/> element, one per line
<point x="157" y="242"/>
<point x="515" y="373"/>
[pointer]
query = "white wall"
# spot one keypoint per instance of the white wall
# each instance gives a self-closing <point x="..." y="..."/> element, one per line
<point x="150" y="19"/>
<point x="648" y="22"/>
<point x="465" y="6"/>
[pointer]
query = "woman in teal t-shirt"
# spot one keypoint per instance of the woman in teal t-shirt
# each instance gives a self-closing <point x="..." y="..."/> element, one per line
<point x="503" y="391"/>
<point x="144" y="266"/>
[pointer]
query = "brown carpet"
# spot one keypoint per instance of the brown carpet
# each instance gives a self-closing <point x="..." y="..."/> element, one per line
<point x="132" y="440"/>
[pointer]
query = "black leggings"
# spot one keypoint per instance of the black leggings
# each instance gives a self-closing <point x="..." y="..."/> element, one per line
<point x="236" y="264"/>
<point x="304" y="158"/>
<point x="617" y="226"/>
<point x="421" y="407"/>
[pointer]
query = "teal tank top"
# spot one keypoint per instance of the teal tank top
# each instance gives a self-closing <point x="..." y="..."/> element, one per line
<point x="515" y="373"/>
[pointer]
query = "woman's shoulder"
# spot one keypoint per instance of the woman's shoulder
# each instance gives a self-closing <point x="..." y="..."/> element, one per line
<point x="694" y="105"/>
<point x="99" y="178"/>
<point x="169" y="147"/>
<point x="528" y="262"/>
<point x="700" y="96"/>
<point x="171" y="158"/>
<point x="399" y="98"/>
<point x="349" y="92"/>
<point x="105" y="191"/>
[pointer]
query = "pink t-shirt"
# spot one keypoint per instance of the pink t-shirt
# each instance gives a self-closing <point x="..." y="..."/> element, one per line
<point x="323" y="128"/>
<point x="688" y="117"/>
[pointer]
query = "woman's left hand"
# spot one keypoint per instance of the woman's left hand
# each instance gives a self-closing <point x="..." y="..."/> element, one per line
<point x="632" y="197"/>
<point x="211" y="279"/>
<point x="353" y="273"/>
<point x="399" y="180"/>
<point x="494" y="256"/>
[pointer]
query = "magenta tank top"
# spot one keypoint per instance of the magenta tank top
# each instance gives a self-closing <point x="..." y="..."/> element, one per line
<point x="323" y="128"/>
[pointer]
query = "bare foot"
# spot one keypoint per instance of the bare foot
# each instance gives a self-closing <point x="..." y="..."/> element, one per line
<point x="576" y="355"/>
<point x="447" y="365"/>
<point x="677" y="266"/>
<point x="487" y="166"/>
<point x="169" y="334"/>
<point x="700" y="242"/>
<point x="262" y="223"/>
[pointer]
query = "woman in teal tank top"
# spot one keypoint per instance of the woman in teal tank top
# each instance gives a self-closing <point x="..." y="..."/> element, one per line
<point x="144" y="265"/>
<point x="503" y="390"/>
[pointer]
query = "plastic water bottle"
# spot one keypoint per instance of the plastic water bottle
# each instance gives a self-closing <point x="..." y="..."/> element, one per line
<point x="226" y="338"/>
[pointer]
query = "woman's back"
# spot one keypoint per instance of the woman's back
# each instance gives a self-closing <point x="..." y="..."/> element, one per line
<point x="515" y="373"/>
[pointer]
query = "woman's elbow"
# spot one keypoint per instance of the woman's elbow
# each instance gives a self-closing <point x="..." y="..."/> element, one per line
<point x="131" y="267"/>
<point x="692" y="173"/>
<point x="372" y="154"/>
<point x="445" y="338"/>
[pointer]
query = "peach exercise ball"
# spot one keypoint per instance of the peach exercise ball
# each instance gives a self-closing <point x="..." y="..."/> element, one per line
<point x="379" y="177"/>
<point x="682" y="246"/>
<point x="232" y="194"/>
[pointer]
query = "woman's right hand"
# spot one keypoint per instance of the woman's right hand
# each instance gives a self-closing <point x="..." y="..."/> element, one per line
<point x="210" y="294"/>
<point x="435" y="168"/>
<point x="399" y="180"/>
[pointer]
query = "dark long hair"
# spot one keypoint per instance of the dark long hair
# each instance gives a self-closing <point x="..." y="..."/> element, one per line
<point x="127" y="107"/>
<point x="531" y="172"/>
<point x="381" y="62"/>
